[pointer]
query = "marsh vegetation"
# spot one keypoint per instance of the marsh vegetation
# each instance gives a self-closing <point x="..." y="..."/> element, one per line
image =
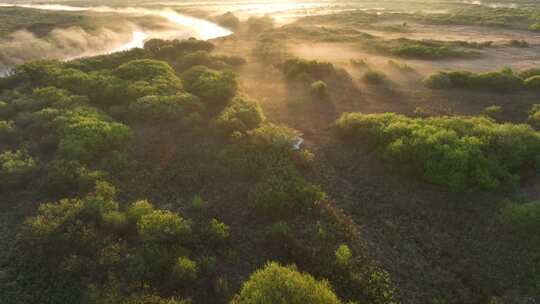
<point x="375" y="153"/>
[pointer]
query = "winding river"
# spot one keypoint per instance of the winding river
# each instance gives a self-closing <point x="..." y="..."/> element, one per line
<point x="186" y="26"/>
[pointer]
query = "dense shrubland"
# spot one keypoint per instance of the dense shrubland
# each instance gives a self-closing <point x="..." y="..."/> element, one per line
<point x="424" y="49"/>
<point x="72" y="130"/>
<point x="503" y="81"/>
<point x="484" y="15"/>
<point x="322" y="80"/>
<point x="457" y="152"/>
<point x="83" y="248"/>
<point x="277" y="284"/>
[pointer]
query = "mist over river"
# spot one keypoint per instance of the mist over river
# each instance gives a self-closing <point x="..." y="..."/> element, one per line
<point x="75" y="42"/>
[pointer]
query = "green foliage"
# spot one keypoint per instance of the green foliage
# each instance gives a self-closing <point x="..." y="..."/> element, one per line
<point x="163" y="49"/>
<point x="278" y="284"/>
<point x="218" y="231"/>
<point x="300" y="69"/>
<point x="198" y="203"/>
<point x="214" y="87"/>
<point x="86" y="133"/>
<point x="70" y="176"/>
<point x="162" y="226"/>
<point x="438" y="81"/>
<point x="343" y="256"/>
<point x="271" y="137"/>
<point x="319" y="89"/>
<point x="484" y="15"/>
<point x="492" y="112"/>
<point x="534" y="116"/>
<point x="281" y="192"/>
<point x="82" y="248"/>
<point x="205" y="58"/>
<point x="163" y="108"/>
<point x="242" y="115"/>
<point x="423" y="49"/>
<point x="185" y="270"/>
<point x="16" y="168"/>
<point x="139" y="209"/>
<point x="458" y="152"/>
<point x="280" y="231"/>
<point x="374" y="77"/>
<point x="504" y="81"/>
<point x="147" y="77"/>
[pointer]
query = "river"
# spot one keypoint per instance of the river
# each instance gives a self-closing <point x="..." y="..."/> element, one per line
<point x="186" y="26"/>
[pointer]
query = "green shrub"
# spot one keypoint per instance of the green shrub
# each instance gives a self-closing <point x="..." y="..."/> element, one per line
<point x="280" y="231"/>
<point x="374" y="77"/>
<point x="218" y="232"/>
<point x="172" y="49"/>
<point x="162" y="226"/>
<point x="423" y="49"/>
<point x="70" y="177"/>
<point x="343" y="256"/>
<point x="16" y="168"/>
<point x="147" y="77"/>
<point x="438" y="81"/>
<point x="185" y="270"/>
<point x="504" y="81"/>
<point x="534" y="117"/>
<point x="271" y="137"/>
<point x="212" y="86"/>
<point x="319" y="89"/>
<point x="139" y="209"/>
<point x="278" y="284"/>
<point x="299" y="69"/>
<point x="162" y="108"/>
<point x="242" y="115"/>
<point x="85" y="134"/>
<point x="492" y="112"/>
<point x="280" y="193"/>
<point x="458" y="152"/>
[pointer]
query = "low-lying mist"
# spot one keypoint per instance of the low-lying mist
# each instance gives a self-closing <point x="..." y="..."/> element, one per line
<point x="68" y="43"/>
<point x="75" y="42"/>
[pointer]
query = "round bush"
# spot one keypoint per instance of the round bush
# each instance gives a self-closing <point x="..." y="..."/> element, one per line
<point x="438" y="81"/>
<point x="277" y="284"/>
<point x="374" y="77"/>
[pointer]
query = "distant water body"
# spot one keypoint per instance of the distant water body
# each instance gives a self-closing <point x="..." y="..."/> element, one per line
<point x="187" y="26"/>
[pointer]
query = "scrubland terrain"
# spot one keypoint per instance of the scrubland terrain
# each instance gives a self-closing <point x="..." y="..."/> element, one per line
<point x="383" y="152"/>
